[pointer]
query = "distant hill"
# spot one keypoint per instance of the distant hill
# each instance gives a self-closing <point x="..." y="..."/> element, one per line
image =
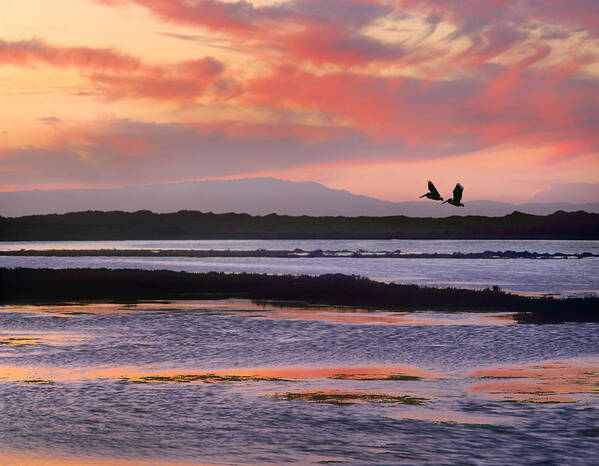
<point x="255" y="196"/>
<point x="197" y="225"/>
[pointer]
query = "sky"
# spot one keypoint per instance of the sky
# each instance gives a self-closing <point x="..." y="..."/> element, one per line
<point x="373" y="96"/>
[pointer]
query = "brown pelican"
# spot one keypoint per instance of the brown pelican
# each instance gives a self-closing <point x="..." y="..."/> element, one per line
<point x="457" y="196"/>
<point x="433" y="193"/>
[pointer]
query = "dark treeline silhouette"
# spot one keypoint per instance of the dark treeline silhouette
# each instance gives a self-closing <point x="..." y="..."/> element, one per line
<point x="67" y="285"/>
<point x="295" y="254"/>
<point x="95" y="225"/>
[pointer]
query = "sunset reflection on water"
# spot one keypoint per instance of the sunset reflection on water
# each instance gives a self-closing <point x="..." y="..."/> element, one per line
<point x="161" y="381"/>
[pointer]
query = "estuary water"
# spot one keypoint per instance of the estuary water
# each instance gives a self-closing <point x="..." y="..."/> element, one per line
<point x="242" y="382"/>
<point x="238" y="382"/>
<point x="564" y="277"/>
<point x="405" y="245"/>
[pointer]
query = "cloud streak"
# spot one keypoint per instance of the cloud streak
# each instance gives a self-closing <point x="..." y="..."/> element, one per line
<point x="310" y="30"/>
<point x="34" y="51"/>
<point x="117" y="76"/>
<point x="115" y="152"/>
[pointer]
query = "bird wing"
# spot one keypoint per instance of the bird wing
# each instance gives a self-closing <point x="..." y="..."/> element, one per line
<point x="457" y="193"/>
<point x="432" y="189"/>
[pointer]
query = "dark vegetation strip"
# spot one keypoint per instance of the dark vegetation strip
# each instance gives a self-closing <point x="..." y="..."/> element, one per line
<point x="295" y="254"/>
<point x="94" y="225"/>
<point x="22" y="285"/>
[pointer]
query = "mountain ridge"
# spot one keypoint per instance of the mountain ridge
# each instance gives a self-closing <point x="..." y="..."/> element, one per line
<point x="254" y="196"/>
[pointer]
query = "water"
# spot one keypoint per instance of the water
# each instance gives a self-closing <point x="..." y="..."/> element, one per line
<point x="566" y="277"/>
<point x="408" y="246"/>
<point x="471" y="413"/>
<point x="74" y="385"/>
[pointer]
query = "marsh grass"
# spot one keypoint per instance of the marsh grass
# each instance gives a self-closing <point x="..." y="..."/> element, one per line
<point x="21" y="341"/>
<point x="349" y="398"/>
<point x="22" y="285"/>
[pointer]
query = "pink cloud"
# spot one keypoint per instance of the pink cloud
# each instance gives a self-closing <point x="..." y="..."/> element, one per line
<point x="183" y="81"/>
<point x="32" y="52"/>
<point x="501" y="88"/>
<point x="333" y="31"/>
<point x="235" y="17"/>
<point x="117" y="75"/>
<point x="517" y="105"/>
<point x="311" y="30"/>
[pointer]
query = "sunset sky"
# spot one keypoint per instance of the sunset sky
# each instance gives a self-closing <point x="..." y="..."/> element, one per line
<point x="372" y="96"/>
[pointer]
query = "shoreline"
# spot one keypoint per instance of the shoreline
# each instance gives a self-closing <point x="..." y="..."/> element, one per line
<point x="294" y="254"/>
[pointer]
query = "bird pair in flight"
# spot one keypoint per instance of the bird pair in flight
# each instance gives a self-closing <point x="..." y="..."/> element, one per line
<point x="435" y="196"/>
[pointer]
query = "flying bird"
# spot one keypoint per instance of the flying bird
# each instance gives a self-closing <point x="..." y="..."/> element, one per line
<point x="457" y="196"/>
<point x="433" y="193"/>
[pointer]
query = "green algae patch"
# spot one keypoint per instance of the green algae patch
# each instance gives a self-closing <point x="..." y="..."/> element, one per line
<point x="339" y="398"/>
<point x="21" y="341"/>
<point x="403" y="377"/>
<point x="38" y="381"/>
<point x="205" y="378"/>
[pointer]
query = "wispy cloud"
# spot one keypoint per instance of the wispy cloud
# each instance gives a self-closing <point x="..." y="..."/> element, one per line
<point x="50" y="120"/>
<point x="35" y="51"/>
<point x="116" y="75"/>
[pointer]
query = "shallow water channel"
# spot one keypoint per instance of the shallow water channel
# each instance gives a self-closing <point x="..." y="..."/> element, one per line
<point x="238" y="382"/>
<point x="561" y="277"/>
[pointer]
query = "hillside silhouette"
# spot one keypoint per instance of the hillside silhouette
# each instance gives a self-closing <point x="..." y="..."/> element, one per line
<point x="255" y="196"/>
<point x="93" y="225"/>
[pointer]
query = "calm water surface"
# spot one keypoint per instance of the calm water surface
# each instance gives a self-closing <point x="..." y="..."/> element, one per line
<point x="414" y="246"/>
<point x="464" y="366"/>
<point x="555" y="276"/>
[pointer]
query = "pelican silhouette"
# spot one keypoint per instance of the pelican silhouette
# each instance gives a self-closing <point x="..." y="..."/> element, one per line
<point x="433" y="193"/>
<point x="457" y="196"/>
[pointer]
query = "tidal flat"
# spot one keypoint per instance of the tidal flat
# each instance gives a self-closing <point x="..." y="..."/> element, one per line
<point x="237" y="381"/>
